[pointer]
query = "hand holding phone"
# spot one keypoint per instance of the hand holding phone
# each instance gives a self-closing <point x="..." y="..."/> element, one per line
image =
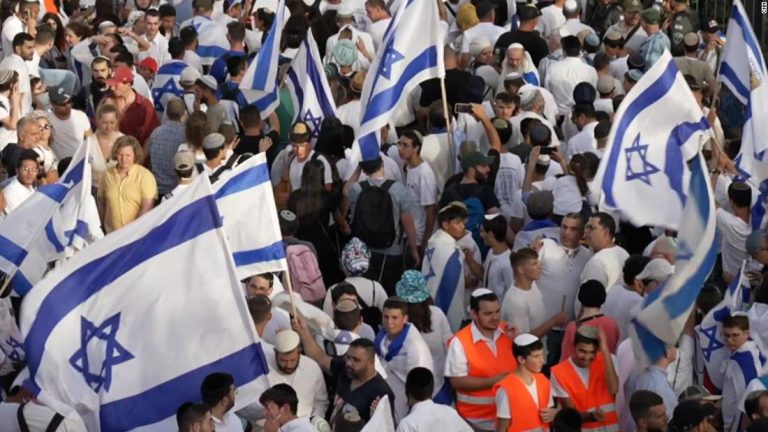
<point x="460" y="108"/>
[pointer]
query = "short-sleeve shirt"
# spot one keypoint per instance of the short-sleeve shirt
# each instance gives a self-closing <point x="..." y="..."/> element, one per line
<point x="68" y="134"/>
<point x="422" y="187"/>
<point x="469" y="190"/>
<point x="139" y="119"/>
<point x="296" y="169"/>
<point x="123" y="196"/>
<point x="359" y="399"/>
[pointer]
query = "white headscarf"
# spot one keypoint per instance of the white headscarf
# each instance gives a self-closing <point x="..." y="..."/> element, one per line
<point x="527" y="69"/>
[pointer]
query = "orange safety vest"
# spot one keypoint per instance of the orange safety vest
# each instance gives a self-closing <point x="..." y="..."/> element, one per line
<point x="591" y="398"/>
<point x="480" y="405"/>
<point x="524" y="410"/>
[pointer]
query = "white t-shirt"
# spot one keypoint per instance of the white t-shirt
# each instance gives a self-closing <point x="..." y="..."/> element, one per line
<point x="16" y="193"/>
<point x="68" y="134"/>
<point x="280" y="321"/>
<point x="193" y="60"/>
<point x="497" y="273"/>
<point x="296" y="169"/>
<point x="509" y="181"/>
<point x="15" y="63"/>
<point x="502" y="400"/>
<point x="622" y="305"/>
<point x="552" y="18"/>
<point x="487" y="29"/>
<point x="734" y="232"/>
<point x="560" y="271"/>
<point x="562" y="78"/>
<point x="523" y="309"/>
<point x="582" y="142"/>
<point x="7" y="136"/>
<point x="11" y="27"/>
<point x="422" y="189"/>
<point x="377" y="31"/>
<point x="606" y="266"/>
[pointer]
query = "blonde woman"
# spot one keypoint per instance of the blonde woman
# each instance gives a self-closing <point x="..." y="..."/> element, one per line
<point x="43" y="147"/>
<point x="102" y="141"/>
<point x="127" y="190"/>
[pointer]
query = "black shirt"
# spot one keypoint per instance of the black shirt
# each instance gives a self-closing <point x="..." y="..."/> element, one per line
<point x="456" y="88"/>
<point x="362" y="397"/>
<point x="463" y="191"/>
<point x="531" y="41"/>
<point x="250" y="144"/>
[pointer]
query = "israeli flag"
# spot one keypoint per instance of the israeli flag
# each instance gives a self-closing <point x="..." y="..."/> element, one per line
<point x="54" y="222"/>
<point x="710" y="332"/>
<point x="125" y="332"/>
<point x="211" y="38"/>
<point x="247" y="204"/>
<point x="411" y="52"/>
<point x="309" y="87"/>
<point x="443" y="269"/>
<point x="166" y="84"/>
<point x="261" y="83"/>
<point x="665" y="311"/>
<point x="644" y="173"/>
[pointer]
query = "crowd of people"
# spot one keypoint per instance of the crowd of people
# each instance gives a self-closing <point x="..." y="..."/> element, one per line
<point x="468" y="272"/>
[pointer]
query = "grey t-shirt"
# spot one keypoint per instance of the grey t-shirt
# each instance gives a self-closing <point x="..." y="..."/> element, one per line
<point x="402" y="203"/>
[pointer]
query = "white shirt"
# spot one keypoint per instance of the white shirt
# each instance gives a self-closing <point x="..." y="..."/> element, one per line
<point x="356" y="35"/>
<point x="427" y="416"/>
<point x="562" y="78"/>
<point x="606" y="104"/>
<point x="574" y="26"/>
<point x="619" y="67"/>
<point x="37" y="417"/>
<point x="414" y="353"/>
<point x="422" y="188"/>
<point x="16" y="193"/>
<point x="296" y="169"/>
<point x="7" y="136"/>
<point x="734" y="385"/>
<point x="637" y="39"/>
<point x="349" y="114"/>
<point x="11" y="27"/>
<point x="301" y="424"/>
<point x="560" y="271"/>
<point x="158" y="49"/>
<point x="68" y="134"/>
<point x="437" y="341"/>
<point x="568" y="198"/>
<point x="435" y="151"/>
<point x="307" y="380"/>
<point x="758" y="323"/>
<point x="193" y="60"/>
<point x="622" y="304"/>
<point x="523" y="309"/>
<point x="509" y="181"/>
<point x="33" y="66"/>
<point x="552" y="18"/>
<point x="734" y="232"/>
<point x="377" y="31"/>
<point x="497" y="273"/>
<point x="15" y="63"/>
<point x="230" y="423"/>
<point x="582" y="142"/>
<point x="280" y="321"/>
<point x="606" y="266"/>
<point x="487" y="29"/>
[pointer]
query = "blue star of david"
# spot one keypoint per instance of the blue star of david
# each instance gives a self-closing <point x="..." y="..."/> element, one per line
<point x="429" y="253"/>
<point x="648" y="168"/>
<point x="314" y="123"/>
<point x="713" y="344"/>
<point x="169" y="87"/>
<point x="16" y="349"/>
<point x="103" y="338"/>
<point x="391" y="56"/>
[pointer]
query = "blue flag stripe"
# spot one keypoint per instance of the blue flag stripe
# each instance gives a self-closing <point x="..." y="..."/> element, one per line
<point x="673" y="163"/>
<point x="172" y="68"/>
<point x="653" y="347"/>
<point x="754" y="46"/>
<point x="12" y="252"/>
<point x="188" y="223"/>
<point x="50" y="234"/>
<point x="273" y="252"/>
<point x="654" y="92"/>
<point x="317" y="84"/>
<point x="448" y="282"/>
<point x="21" y="284"/>
<point x="246" y="180"/>
<point x="162" y="401"/>
<point x="727" y="71"/>
<point x="263" y="65"/>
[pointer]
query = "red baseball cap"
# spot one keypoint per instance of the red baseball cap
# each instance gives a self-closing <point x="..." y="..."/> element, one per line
<point x="122" y="75"/>
<point x="149" y="63"/>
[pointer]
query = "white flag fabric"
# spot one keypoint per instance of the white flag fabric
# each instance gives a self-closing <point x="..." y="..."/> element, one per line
<point x="411" y="52"/>
<point x="260" y="84"/>
<point x="644" y="173"/>
<point x="381" y="419"/>
<point x="124" y="332"/>
<point x="247" y="204"/>
<point x="51" y="224"/>
<point x="166" y="84"/>
<point x="665" y="311"/>
<point x="212" y="40"/>
<point x="710" y="332"/>
<point x="310" y="92"/>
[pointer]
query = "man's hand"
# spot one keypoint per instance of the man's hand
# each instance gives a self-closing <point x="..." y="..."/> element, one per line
<point x="479" y="112"/>
<point x="265" y="144"/>
<point x="548" y="415"/>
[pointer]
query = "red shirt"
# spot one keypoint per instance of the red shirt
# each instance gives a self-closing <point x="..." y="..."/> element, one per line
<point x="608" y="324"/>
<point x="139" y="119"/>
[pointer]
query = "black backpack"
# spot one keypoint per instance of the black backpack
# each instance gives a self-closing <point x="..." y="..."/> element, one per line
<point x="373" y="221"/>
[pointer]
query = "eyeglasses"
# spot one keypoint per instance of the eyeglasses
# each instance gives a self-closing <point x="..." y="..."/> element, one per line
<point x="46" y="127"/>
<point x="30" y="170"/>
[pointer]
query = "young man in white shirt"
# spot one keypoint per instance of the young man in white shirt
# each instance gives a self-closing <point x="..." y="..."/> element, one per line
<point x="486" y="12"/>
<point x="70" y="126"/>
<point x="734" y="227"/>
<point x="421" y="184"/>
<point x="606" y="264"/>
<point x="23" y="48"/>
<point x="280" y="403"/>
<point x="23" y="20"/>
<point x="497" y="273"/>
<point x="564" y="75"/>
<point x="218" y="392"/>
<point x="158" y="44"/>
<point x="22" y="186"/>
<point x="425" y="415"/>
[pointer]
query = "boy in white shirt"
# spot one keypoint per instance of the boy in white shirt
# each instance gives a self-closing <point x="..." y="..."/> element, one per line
<point x="421" y="185"/>
<point x="495" y="272"/>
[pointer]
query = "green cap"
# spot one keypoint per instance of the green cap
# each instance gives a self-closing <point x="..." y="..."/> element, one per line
<point x="633" y="5"/>
<point x="203" y="4"/>
<point x="652" y="15"/>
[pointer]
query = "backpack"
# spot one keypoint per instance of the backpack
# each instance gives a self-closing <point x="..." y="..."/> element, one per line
<point x="305" y="273"/>
<point x="475" y="216"/>
<point x="371" y="314"/>
<point x="373" y="220"/>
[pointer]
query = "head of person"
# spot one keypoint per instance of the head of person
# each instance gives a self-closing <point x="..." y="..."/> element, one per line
<point x="525" y="264"/>
<point x="61" y="102"/>
<point x="107" y="118"/>
<point x="758" y="425"/>
<point x="482" y="51"/>
<point x="27" y="167"/>
<point x="24" y="46"/>
<point x="494" y="229"/>
<point x="260" y="284"/>
<point x="260" y="310"/>
<point x="121" y="81"/>
<point x="394" y="315"/>
<point x="586" y="345"/>
<point x="213" y="146"/>
<point x="505" y="105"/>
<point x="289" y="223"/>
<point x="665" y="248"/>
<point x="632" y="9"/>
<point x="176" y="110"/>
<point x="46" y="129"/>
<point x="359" y="359"/>
<point x="205" y="89"/>
<point x="218" y="391"/>
<point x="540" y="205"/>
<point x="756" y="405"/>
<point x="147" y="68"/>
<point x="409" y="144"/>
<point x="167" y="18"/>
<point x="419" y="385"/>
<point x="75" y="32"/>
<point x="648" y="411"/>
<point x="412" y="289"/>
<point x="529" y="352"/>
<point x="740" y="196"/>
<point x="516" y="58"/>
<point x="600" y="230"/>
<point x="476" y="166"/>
<point x="376" y="10"/>
<point x="152" y="21"/>
<point x="571" y="46"/>
<point x="572" y="230"/>
<point x="184" y="165"/>
<point x="27" y="132"/>
<point x="355" y="257"/>
<point x="656" y="272"/>
<point x="194" y="417"/>
<point x="485" y="309"/>
<point x="196" y="129"/>
<point x="250" y="117"/>
<point x="300" y="136"/>
<point x="735" y="331"/>
<point x="280" y="403"/>
<point x="582" y="114"/>
<point x="188" y="36"/>
<point x="287" y="353"/>
<point x="650" y="19"/>
<point x="529" y="16"/>
<point x="101" y="70"/>
<point x="127" y="151"/>
<point x="453" y="218"/>
<point x="347" y="315"/>
<point x="592" y="294"/>
<point x="8" y="80"/>
<point x="633" y="266"/>
<point x="691" y="416"/>
<point x="567" y="420"/>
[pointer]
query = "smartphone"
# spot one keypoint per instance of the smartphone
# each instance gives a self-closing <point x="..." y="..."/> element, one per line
<point x="547" y="150"/>
<point x="462" y="108"/>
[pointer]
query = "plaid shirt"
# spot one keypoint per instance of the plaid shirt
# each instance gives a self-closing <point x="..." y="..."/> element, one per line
<point x="163" y="144"/>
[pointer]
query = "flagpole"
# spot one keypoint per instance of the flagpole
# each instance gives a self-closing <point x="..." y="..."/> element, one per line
<point x="7" y="282"/>
<point x="290" y="290"/>
<point x="447" y="118"/>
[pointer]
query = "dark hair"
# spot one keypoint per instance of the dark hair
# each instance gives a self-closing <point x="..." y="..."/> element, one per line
<point x="752" y="402"/>
<point x="123" y="56"/>
<point x="311" y="195"/>
<point x="45" y="34"/>
<point x="195" y="129"/>
<point x="601" y="61"/>
<point x="578" y="216"/>
<point x="579" y="339"/>
<point x="346" y="320"/>
<point x="270" y="277"/>
<point x="215" y="388"/>
<point x="166" y="10"/>
<point x="606" y="221"/>
<point x="737" y="321"/>
<point x="26" y="155"/>
<point x="11" y="82"/>
<point x="584" y="167"/>
<point x="188" y="35"/>
<point x="250" y="116"/>
<point x="437" y="114"/>
<point x="281" y="395"/>
<point x="759" y="425"/>
<point x="369" y="167"/>
<point x="617" y="101"/>
<point x="567" y="420"/>
<point x="708" y="298"/>
<point x="236" y="31"/>
<point x="571" y="46"/>
<point x="21" y="38"/>
<point x="330" y="140"/>
<point x="641" y="402"/>
<point x="176" y="47"/>
<point x="497" y="227"/>
<point x="474" y="301"/>
<point x="81" y="30"/>
<point x="396" y="303"/>
<point x="211" y="154"/>
<point x="587" y="110"/>
<point x="584" y="93"/>
<point x="419" y="384"/>
<point x="63" y="165"/>
<point x="413" y="137"/>
<point x="236" y="65"/>
<point x="506" y="98"/>
<point x="341" y="289"/>
<point x="526" y="124"/>
<point x="526" y="350"/>
<point x="152" y="13"/>
<point x="420" y="315"/>
<point x="633" y="266"/>
<point x="761" y="296"/>
<point x="101" y="59"/>
<point x="189" y="414"/>
<point x="740" y="194"/>
<point x="60" y="39"/>
<point x="518" y="258"/>
<point x="365" y="344"/>
<point x="260" y="308"/>
<point x="592" y="293"/>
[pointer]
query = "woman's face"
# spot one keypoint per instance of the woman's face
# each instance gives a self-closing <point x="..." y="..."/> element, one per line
<point x="125" y="157"/>
<point x="72" y="38"/>
<point x="108" y="122"/>
<point x="45" y="130"/>
<point x="53" y="24"/>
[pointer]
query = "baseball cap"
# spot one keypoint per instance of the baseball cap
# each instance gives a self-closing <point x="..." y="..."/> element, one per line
<point x="632" y="6"/>
<point x="606" y="84"/>
<point x="150" y="64"/>
<point x="122" y="75"/>
<point x="528" y="12"/>
<point x="286" y="341"/>
<point x="711" y="26"/>
<point x="300" y="132"/>
<point x="183" y="160"/>
<point x="474" y="159"/>
<point x="656" y="269"/>
<point x="208" y="81"/>
<point x="59" y="95"/>
<point x="689" y="414"/>
<point x="652" y="15"/>
<point x="696" y="393"/>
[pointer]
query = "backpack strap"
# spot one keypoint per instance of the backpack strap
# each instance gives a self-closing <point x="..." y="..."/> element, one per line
<point x="199" y="168"/>
<point x="227" y="166"/>
<point x="387" y="184"/>
<point x="20" y="418"/>
<point x="365" y="185"/>
<point x="631" y="33"/>
<point x="55" y="422"/>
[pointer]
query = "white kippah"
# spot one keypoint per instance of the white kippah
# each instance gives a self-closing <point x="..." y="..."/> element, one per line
<point x="481" y="292"/>
<point x="525" y="339"/>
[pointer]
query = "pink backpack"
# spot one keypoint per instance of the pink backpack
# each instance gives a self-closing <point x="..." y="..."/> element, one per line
<point x="305" y="273"/>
